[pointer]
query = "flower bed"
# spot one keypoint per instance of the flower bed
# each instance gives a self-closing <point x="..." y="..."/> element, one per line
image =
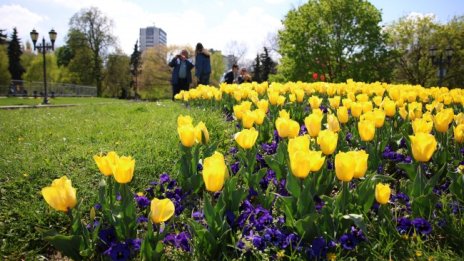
<point x="320" y="171"/>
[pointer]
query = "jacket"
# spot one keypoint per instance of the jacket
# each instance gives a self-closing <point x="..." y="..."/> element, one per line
<point x="202" y="65"/>
<point x="175" y="63"/>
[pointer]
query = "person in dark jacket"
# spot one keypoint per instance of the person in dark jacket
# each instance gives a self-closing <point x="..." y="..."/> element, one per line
<point x="202" y="64"/>
<point x="231" y="76"/>
<point x="181" y="73"/>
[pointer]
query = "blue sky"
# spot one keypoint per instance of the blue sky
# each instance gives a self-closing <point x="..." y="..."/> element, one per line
<point x="214" y="23"/>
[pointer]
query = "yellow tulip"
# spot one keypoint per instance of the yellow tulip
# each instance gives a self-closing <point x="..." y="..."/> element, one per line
<point x="367" y="106"/>
<point x="459" y="118"/>
<point x="344" y="166"/>
<point x="334" y="102"/>
<point x="459" y="133"/>
<point x="292" y="97"/>
<point x="317" y="160"/>
<point x="124" y="170"/>
<point x="184" y="120"/>
<point x="423" y="146"/>
<point x="315" y="102"/>
<point x="313" y="124"/>
<point x="299" y="93"/>
<point x="442" y="120"/>
<point x="377" y="100"/>
<point x="60" y="195"/>
<point x="263" y="105"/>
<point x="366" y="130"/>
<point x="422" y="125"/>
<point x="356" y="109"/>
<point x="287" y="127"/>
<point x="360" y="168"/>
<point x="389" y="107"/>
<point x="248" y="119"/>
<point x="342" y="114"/>
<point x="200" y="131"/>
<point x="280" y="100"/>
<point x="273" y="97"/>
<point x="347" y="103"/>
<point x="260" y="115"/>
<point x="298" y="143"/>
<point x="362" y="98"/>
<point x="186" y="135"/>
<point x="214" y="172"/>
<point x="246" y="138"/>
<point x="300" y="163"/>
<point x="327" y="141"/>
<point x="382" y="193"/>
<point x="403" y="112"/>
<point x="332" y="123"/>
<point x="284" y="114"/>
<point x="161" y="210"/>
<point x="379" y="118"/>
<point x="105" y="163"/>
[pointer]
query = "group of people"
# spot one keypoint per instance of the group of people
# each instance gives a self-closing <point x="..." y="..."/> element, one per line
<point x="182" y="67"/>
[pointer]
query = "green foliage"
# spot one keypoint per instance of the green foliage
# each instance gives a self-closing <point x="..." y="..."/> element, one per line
<point x="95" y="27"/>
<point x="217" y="67"/>
<point x="116" y="75"/>
<point x="5" y="76"/>
<point x="43" y="144"/>
<point x="341" y="39"/>
<point x="34" y="72"/>
<point x="154" y="80"/>
<point x="14" y="56"/>
<point x="135" y="63"/>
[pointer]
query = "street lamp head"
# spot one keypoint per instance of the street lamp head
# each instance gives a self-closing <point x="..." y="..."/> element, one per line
<point x="34" y="37"/>
<point x="449" y="52"/>
<point x="52" y="35"/>
<point x="433" y="52"/>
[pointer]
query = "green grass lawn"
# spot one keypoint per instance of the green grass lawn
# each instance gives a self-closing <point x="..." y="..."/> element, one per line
<point x="6" y="101"/>
<point x="39" y="145"/>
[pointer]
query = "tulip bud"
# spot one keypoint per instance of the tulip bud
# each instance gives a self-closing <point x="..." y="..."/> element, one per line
<point x="327" y="141"/>
<point x="360" y="168"/>
<point x="298" y="143"/>
<point x="248" y="119"/>
<point x="124" y="170"/>
<point x="246" y="138"/>
<point x="287" y="128"/>
<point x="161" y="210"/>
<point x="423" y="146"/>
<point x="200" y="131"/>
<point x="60" y="195"/>
<point x="313" y="124"/>
<point x="186" y="135"/>
<point x="382" y="193"/>
<point x="342" y="114"/>
<point x="459" y="133"/>
<point x="184" y="120"/>
<point x="214" y="172"/>
<point x="344" y="166"/>
<point x="366" y="130"/>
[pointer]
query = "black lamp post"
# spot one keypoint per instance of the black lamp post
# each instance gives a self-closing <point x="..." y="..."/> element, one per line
<point x="43" y="48"/>
<point x="441" y="62"/>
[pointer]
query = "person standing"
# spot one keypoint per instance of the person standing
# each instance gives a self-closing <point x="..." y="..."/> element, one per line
<point x="181" y="74"/>
<point x="244" y="76"/>
<point x="202" y="64"/>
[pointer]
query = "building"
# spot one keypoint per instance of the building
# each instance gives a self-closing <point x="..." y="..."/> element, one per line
<point x="152" y="36"/>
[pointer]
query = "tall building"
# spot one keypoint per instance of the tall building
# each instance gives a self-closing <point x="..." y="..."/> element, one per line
<point x="152" y="36"/>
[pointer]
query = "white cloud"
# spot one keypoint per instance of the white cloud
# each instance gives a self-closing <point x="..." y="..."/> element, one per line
<point x="22" y="18"/>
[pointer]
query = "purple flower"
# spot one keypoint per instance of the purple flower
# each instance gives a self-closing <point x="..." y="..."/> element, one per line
<point x="233" y="150"/>
<point x="197" y="215"/>
<point x="235" y="167"/>
<point x="303" y="130"/>
<point x="422" y="226"/>
<point x="107" y="236"/>
<point x="252" y="193"/>
<point x="323" y="108"/>
<point x="142" y="201"/>
<point x="199" y="167"/>
<point x="403" y="144"/>
<point x="164" y="178"/>
<point x="319" y="203"/>
<point x="97" y="206"/>
<point x="348" y="137"/>
<point x="403" y="225"/>
<point x="118" y="197"/>
<point x="380" y="169"/>
<point x="318" y="248"/>
<point x="258" y="242"/>
<point x="142" y="219"/>
<point x="240" y="244"/>
<point x="330" y="165"/>
<point x="118" y="251"/>
<point x="180" y="240"/>
<point x="134" y="243"/>
<point x="348" y="241"/>
<point x="270" y="148"/>
<point x="261" y="161"/>
<point x="230" y="218"/>
<point x="291" y="240"/>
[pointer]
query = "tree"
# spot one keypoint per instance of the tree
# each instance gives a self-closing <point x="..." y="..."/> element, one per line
<point x="236" y="51"/>
<point x="96" y="29"/>
<point x="14" y="57"/>
<point x="5" y="76"/>
<point x="34" y="71"/>
<point x="155" y="76"/>
<point x="217" y="67"/>
<point x="117" y="75"/>
<point x="332" y="37"/>
<point x="3" y="37"/>
<point x="135" y="63"/>
<point x="257" y="69"/>
<point x="411" y="37"/>
<point x="267" y="64"/>
<point x="77" y="58"/>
